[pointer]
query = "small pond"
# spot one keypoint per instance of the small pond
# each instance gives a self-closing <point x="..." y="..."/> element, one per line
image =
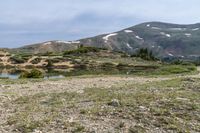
<point x="62" y="73"/>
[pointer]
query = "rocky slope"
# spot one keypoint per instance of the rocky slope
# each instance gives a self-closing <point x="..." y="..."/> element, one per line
<point x="171" y="40"/>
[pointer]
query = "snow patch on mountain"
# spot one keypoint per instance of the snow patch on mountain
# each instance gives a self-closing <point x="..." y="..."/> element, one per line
<point x="165" y="34"/>
<point x="139" y="38"/>
<point x="170" y="54"/>
<point x="63" y="42"/>
<point x="148" y="25"/>
<point x="75" y="41"/>
<point x="188" y="34"/>
<point x="107" y="37"/>
<point x="47" y="43"/>
<point x="168" y="35"/>
<point x="177" y="29"/>
<point x="128" y="45"/>
<point x="195" y="29"/>
<point x="128" y="31"/>
<point x="156" y="28"/>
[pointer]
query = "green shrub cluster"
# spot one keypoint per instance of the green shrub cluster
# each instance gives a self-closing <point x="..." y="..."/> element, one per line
<point x="33" y="74"/>
<point x="17" y="59"/>
<point x="46" y="54"/>
<point x="145" y="54"/>
<point x="36" y="61"/>
<point x="20" y="58"/>
<point x="81" y="50"/>
<point x="49" y="63"/>
<point x="176" y="69"/>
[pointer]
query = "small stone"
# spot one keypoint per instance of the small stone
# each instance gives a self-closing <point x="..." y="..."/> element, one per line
<point x="182" y="99"/>
<point x="71" y="120"/>
<point x="37" y="131"/>
<point x="114" y="103"/>
<point x="142" y="108"/>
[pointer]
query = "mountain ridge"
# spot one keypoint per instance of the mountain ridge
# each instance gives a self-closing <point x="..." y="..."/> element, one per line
<point x="164" y="39"/>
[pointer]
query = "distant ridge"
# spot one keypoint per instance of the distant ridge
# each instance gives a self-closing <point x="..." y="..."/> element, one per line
<point x="164" y="39"/>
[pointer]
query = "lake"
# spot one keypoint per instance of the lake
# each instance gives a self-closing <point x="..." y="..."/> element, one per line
<point x="15" y="74"/>
<point x="62" y="73"/>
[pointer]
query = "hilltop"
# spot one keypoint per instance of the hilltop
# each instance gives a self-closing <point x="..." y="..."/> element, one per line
<point x="164" y="39"/>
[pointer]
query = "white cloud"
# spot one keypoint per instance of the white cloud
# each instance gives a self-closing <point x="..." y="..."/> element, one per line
<point x="24" y="11"/>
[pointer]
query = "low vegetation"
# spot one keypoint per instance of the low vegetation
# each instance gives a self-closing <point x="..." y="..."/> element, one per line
<point x="18" y="60"/>
<point x="96" y="61"/>
<point x="36" y="60"/>
<point x="160" y="106"/>
<point x="118" y="104"/>
<point x="32" y="74"/>
<point x="81" y="50"/>
<point x="145" y="54"/>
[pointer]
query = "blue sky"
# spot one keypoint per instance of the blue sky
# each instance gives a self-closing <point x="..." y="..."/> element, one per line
<point x="25" y="22"/>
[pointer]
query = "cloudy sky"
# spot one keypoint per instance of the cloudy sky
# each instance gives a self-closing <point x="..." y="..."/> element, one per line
<point x="25" y="22"/>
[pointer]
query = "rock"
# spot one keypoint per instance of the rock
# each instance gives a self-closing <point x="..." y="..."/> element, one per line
<point x="182" y="99"/>
<point x="71" y="120"/>
<point x="114" y="103"/>
<point x="37" y="131"/>
<point x="189" y="80"/>
<point x="142" y="108"/>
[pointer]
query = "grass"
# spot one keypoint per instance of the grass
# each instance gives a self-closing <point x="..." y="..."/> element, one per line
<point x="95" y="61"/>
<point x="34" y="113"/>
<point x="160" y="106"/>
<point x="19" y="81"/>
<point x="167" y="69"/>
<point x="170" y="105"/>
<point x="34" y="73"/>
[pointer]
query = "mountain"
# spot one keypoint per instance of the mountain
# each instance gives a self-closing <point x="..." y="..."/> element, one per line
<point x="164" y="39"/>
<point x="50" y="46"/>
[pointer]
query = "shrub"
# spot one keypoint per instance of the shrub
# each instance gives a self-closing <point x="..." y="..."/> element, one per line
<point x="20" y="58"/>
<point x="49" y="63"/>
<point x="177" y="69"/>
<point x="55" y="60"/>
<point x="145" y="54"/>
<point x="17" y="60"/>
<point x="81" y="50"/>
<point x="108" y="65"/>
<point x="33" y="74"/>
<point x="122" y="65"/>
<point x="47" y="53"/>
<point x="36" y="61"/>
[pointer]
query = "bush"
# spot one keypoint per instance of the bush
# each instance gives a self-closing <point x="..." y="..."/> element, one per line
<point x="55" y="60"/>
<point x="108" y="65"/>
<point x="33" y="74"/>
<point x="20" y="58"/>
<point x="47" y="54"/>
<point x="17" y="60"/>
<point x="49" y="63"/>
<point x="177" y="69"/>
<point x="36" y="61"/>
<point x="145" y="54"/>
<point x="81" y="50"/>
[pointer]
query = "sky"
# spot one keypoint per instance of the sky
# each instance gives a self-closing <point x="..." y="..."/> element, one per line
<point x="24" y="22"/>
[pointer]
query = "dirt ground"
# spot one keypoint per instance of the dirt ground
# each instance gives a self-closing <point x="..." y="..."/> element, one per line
<point x="10" y="93"/>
